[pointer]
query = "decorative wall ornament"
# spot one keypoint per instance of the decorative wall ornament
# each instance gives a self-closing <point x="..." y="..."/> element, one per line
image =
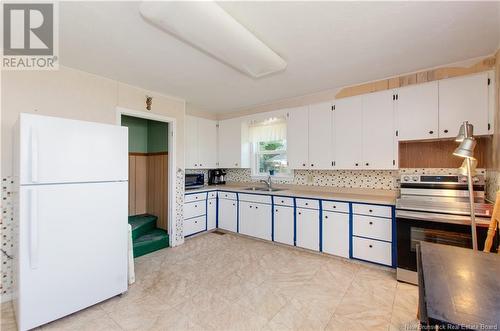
<point x="149" y="102"/>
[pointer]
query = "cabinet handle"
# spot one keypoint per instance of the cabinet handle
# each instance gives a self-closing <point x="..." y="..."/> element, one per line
<point x="300" y="213"/>
<point x="256" y="207"/>
<point x="371" y="223"/>
<point x="371" y="211"/>
<point x="276" y="210"/>
<point x="195" y="222"/>
<point x="303" y="164"/>
<point x="431" y="132"/>
<point x="312" y="164"/>
<point x="371" y="246"/>
<point x="326" y="216"/>
<point x="201" y="164"/>
<point x="195" y="206"/>
<point x="282" y="201"/>
<point x="195" y="165"/>
<point x="334" y="207"/>
<point x="356" y="164"/>
<point x="236" y="164"/>
<point x="234" y="204"/>
<point x="367" y="163"/>
<point x="250" y="206"/>
<point x="445" y="131"/>
<point x="307" y="203"/>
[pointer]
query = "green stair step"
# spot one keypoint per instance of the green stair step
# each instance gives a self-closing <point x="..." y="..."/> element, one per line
<point x="152" y="241"/>
<point x="142" y="224"/>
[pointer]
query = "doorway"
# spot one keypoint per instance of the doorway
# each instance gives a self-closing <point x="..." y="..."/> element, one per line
<point x="151" y="186"/>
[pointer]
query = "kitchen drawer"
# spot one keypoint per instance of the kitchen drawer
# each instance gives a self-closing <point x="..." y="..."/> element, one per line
<point x="255" y="198"/>
<point x="227" y="195"/>
<point x="195" y="197"/>
<point x="194" y="225"/>
<point x="372" y="227"/>
<point x="372" y="250"/>
<point x="194" y="209"/>
<point x="307" y="203"/>
<point x="372" y="210"/>
<point x="212" y="195"/>
<point x="283" y="201"/>
<point x="341" y="207"/>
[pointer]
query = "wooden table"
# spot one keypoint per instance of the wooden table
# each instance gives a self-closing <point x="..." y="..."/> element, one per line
<point x="459" y="288"/>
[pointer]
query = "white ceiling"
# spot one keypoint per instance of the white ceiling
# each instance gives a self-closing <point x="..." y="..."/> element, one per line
<point x="326" y="45"/>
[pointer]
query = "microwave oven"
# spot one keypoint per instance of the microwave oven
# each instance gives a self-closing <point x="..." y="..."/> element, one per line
<point x="192" y="181"/>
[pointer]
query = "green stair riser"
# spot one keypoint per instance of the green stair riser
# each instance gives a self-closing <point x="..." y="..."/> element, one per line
<point x="142" y="224"/>
<point x="150" y="242"/>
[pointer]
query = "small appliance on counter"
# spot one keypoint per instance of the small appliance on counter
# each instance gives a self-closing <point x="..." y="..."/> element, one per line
<point x="216" y="177"/>
<point x="194" y="181"/>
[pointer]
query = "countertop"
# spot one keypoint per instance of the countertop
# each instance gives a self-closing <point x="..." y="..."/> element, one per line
<point x="375" y="196"/>
<point x="461" y="285"/>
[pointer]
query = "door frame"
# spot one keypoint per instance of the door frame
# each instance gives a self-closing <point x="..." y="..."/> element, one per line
<point x="172" y="165"/>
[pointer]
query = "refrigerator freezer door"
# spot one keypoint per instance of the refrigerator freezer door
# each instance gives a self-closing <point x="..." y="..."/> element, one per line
<point x="72" y="249"/>
<point x="57" y="150"/>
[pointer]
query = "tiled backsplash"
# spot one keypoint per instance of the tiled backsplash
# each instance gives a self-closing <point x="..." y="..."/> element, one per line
<point x="371" y="179"/>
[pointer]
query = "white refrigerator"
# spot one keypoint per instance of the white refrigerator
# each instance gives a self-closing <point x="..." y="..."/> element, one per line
<point x="71" y="216"/>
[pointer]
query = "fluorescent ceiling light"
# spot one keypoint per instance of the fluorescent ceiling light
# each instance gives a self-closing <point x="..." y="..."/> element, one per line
<point x="206" y="26"/>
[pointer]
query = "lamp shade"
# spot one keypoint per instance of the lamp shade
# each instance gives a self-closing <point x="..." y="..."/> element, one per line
<point x="463" y="168"/>
<point x="466" y="148"/>
<point x="466" y="131"/>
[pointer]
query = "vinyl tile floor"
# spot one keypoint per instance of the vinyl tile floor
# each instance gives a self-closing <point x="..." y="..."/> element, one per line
<point x="230" y="282"/>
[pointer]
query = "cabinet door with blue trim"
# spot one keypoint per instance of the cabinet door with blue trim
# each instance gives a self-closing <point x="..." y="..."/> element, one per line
<point x="308" y="228"/>
<point x="283" y="225"/>
<point x="336" y="233"/>
<point x="211" y="214"/>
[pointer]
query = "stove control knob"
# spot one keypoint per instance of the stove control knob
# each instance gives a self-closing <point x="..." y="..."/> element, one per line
<point x="406" y="178"/>
<point x="415" y="178"/>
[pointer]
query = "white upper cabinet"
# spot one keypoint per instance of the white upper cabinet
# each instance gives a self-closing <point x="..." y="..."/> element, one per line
<point x="348" y="133"/>
<point x="417" y="111"/>
<point x="320" y="136"/>
<point x="191" y="142"/>
<point x="463" y="99"/>
<point x="233" y="144"/>
<point x="201" y="143"/>
<point x="207" y="143"/>
<point x="297" y="138"/>
<point x="378" y="131"/>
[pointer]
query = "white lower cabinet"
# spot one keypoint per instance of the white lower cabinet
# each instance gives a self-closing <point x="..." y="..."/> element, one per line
<point x="194" y="225"/>
<point x="336" y="233"/>
<point x="308" y="228"/>
<point x="255" y="220"/>
<point x="283" y="225"/>
<point x="211" y="214"/>
<point x="228" y="215"/>
<point x="372" y="250"/>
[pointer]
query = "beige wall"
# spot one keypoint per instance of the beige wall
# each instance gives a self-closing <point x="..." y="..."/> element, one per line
<point x="79" y="95"/>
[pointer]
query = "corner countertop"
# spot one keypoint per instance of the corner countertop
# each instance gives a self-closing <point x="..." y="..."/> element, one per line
<point x="375" y="196"/>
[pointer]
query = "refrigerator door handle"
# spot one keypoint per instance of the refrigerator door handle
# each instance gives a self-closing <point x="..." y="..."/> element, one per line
<point x="34" y="156"/>
<point x="33" y="230"/>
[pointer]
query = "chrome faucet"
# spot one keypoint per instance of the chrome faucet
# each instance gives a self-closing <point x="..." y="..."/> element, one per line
<point x="268" y="182"/>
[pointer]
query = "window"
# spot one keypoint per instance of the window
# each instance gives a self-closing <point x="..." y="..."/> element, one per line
<point x="268" y="140"/>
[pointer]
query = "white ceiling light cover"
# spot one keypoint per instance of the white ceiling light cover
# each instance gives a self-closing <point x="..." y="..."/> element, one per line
<point x="205" y="25"/>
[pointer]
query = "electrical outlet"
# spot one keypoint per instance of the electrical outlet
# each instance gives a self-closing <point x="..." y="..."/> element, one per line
<point x="309" y="178"/>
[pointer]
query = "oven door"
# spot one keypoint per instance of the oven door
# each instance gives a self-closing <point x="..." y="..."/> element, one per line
<point x="411" y="231"/>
